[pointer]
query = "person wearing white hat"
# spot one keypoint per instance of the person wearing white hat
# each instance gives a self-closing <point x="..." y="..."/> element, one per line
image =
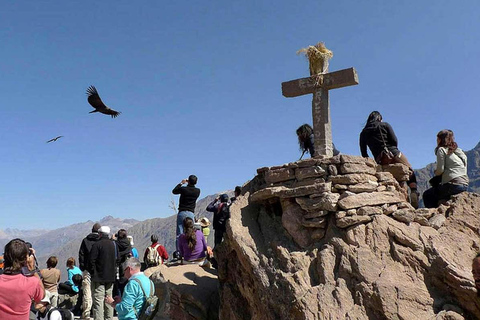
<point x="47" y="312"/>
<point x="134" y="250"/>
<point x="103" y="268"/>
<point x="205" y="223"/>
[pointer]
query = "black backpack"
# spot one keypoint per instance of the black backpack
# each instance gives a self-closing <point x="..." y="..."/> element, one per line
<point x="223" y="214"/>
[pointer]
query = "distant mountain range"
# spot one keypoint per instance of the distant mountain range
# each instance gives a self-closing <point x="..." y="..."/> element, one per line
<point x="65" y="242"/>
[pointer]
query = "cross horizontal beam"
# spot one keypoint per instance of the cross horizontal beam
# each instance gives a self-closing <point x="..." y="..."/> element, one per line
<point x="333" y="80"/>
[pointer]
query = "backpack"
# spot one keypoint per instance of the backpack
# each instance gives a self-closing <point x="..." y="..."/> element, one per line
<point x="153" y="258"/>
<point x="223" y="214"/>
<point x="150" y="307"/>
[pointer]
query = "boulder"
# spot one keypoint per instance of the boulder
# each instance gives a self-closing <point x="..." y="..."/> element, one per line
<point x="377" y="268"/>
<point x="186" y="292"/>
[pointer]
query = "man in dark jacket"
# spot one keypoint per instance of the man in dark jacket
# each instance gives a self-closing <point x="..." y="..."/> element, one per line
<point x="221" y="213"/>
<point x="102" y="267"/>
<point x="83" y="260"/>
<point x="188" y="198"/>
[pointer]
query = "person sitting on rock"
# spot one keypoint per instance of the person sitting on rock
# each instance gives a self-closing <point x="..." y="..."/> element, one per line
<point x="306" y="141"/>
<point x="69" y="287"/>
<point x="51" y="277"/>
<point x="192" y="244"/>
<point x="45" y="310"/>
<point x="380" y="138"/>
<point x="451" y="169"/>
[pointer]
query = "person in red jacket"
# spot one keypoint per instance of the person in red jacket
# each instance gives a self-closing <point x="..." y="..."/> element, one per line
<point x="157" y="257"/>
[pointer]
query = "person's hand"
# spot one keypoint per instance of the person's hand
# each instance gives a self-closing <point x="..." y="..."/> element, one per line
<point x="209" y="252"/>
<point x="109" y="300"/>
<point x="117" y="299"/>
<point x="31" y="262"/>
<point x="184" y="181"/>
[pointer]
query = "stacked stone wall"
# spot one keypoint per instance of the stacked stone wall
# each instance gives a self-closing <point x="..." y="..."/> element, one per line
<point x="345" y="190"/>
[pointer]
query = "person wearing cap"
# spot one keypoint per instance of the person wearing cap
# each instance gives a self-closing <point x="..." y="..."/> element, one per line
<point x="221" y="213"/>
<point x="205" y="223"/>
<point x="102" y="267"/>
<point x="83" y="261"/>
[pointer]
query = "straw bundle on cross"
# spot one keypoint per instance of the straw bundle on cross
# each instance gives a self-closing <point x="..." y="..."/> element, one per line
<point x="318" y="56"/>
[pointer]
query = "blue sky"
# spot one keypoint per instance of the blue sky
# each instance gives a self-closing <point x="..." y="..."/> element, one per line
<point x="199" y="87"/>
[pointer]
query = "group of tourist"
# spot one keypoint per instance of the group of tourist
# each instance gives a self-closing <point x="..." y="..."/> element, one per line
<point x="109" y="275"/>
<point x="191" y="236"/>
<point x="451" y="168"/>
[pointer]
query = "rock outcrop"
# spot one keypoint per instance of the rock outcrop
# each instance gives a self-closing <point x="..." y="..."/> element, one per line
<point x="186" y="292"/>
<point x="336" y="239"/>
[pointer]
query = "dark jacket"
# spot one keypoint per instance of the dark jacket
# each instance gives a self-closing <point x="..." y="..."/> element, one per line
<point x="188" y="197"/>
<point x="85" y="248"/>
<point x="310" y="146"/>
<point x="371" y="136"/>
<point x="103" y="260"/>
<point x="219" y="217"/>
<point x="124" y="249"/>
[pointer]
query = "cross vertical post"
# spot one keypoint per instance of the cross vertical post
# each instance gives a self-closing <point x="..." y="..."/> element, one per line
<point x="319" y="85"/>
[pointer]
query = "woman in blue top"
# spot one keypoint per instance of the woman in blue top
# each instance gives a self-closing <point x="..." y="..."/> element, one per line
<point x="70" y="286"/>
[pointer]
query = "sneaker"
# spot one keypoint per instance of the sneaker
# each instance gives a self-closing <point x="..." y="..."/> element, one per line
<point x="414" y="198"/>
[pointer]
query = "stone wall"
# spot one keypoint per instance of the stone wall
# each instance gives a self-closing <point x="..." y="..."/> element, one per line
<point x="336" y="239"/>
<point x="352" y="189"/>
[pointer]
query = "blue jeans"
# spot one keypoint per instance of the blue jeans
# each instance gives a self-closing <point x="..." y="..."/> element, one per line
<point x="180" y="217"/>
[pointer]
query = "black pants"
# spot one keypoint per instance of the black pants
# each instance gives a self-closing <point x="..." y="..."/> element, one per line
<point x="219" y="235"/>
<point x="441" y="192"/>
<point x="65" y="288"/>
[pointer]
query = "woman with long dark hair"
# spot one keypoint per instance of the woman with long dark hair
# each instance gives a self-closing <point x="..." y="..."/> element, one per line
<point x="451" y="166"/>
<point x="306" y="141"/>
<point x="380" y="138"/>
<point x="192" y="244"/>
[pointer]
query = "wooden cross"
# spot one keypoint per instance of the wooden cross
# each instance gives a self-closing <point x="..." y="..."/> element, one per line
<point x="319" y="86"/>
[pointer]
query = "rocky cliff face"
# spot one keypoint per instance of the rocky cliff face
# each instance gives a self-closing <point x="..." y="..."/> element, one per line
<point x="335" y="239"/>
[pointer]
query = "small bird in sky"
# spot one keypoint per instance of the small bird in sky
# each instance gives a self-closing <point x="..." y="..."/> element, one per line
<point x="54" y="139"/>
<point x="97" y="103"/>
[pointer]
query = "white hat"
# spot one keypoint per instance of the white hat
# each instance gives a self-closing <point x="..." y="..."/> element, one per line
<point x="47" y="297"/>
<point x="104" y="229"/>
<point x="204" y="222"/>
